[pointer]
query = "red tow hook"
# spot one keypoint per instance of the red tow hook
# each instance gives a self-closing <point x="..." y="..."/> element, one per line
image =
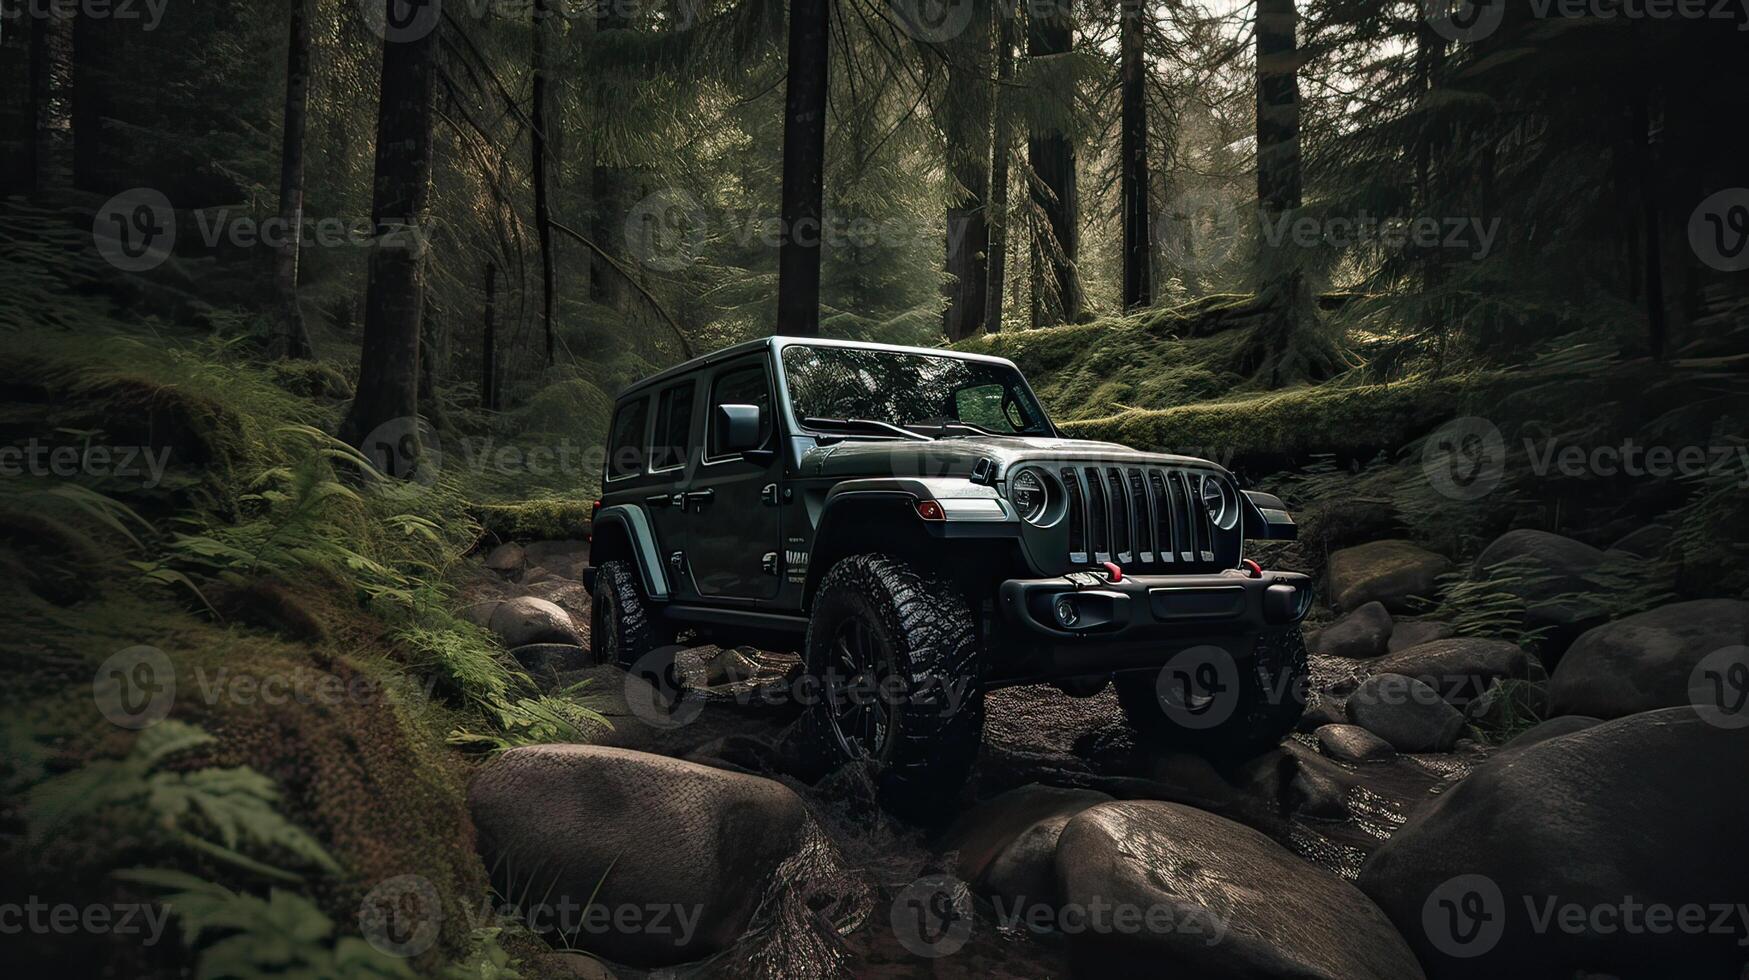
<point x="1116" y="572"/>
<point x="1251" y="567"/>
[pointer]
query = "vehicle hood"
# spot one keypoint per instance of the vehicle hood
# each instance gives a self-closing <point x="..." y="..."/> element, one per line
<point x="958" y="454"/>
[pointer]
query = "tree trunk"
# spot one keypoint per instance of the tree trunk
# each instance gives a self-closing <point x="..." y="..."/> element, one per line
<point x="51" y="96"/>
<point x="1138" y="284"/>
<point x="489" y="343"/>
<point x="998" y="206"/>
<point x="291" y="338"/>
<point x="388" y="374"/>
<point x="1278" y="125"/>
<point x="1649" y="126"/>
<point x="1050" y="32"/>
<point x="543" y="214"/>
<point x="804" y="166"/>
<point x="967" y="123"/>
<point x="609" y="190"/>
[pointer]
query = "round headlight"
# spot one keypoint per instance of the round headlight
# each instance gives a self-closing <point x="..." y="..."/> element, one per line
<point x="1222" y="509"/>
<point x="1030" y="495"/>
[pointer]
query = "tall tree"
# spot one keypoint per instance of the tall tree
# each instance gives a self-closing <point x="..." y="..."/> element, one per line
<point x="543" y="213"/>
<point x="1050" y="32"/>
<point x="51" y="94"/>
<point x="1004" y="13"/>
<point x="290" y="336"/>
<point x="804" y="169"/>
<point x="1138" y="285"/>
<point x="609" y="183"/>
<point x="388" y="373"/>
<point x="966" y="126"/>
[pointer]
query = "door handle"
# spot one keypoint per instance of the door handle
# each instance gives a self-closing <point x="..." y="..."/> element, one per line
<point x="699" y="497"/>
<point x="662" y="499"/>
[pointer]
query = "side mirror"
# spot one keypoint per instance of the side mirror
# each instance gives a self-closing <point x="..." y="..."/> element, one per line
<point x="737" y="428"/>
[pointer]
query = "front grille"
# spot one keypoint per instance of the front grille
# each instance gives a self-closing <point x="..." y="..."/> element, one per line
<point x="1149" y="518"/>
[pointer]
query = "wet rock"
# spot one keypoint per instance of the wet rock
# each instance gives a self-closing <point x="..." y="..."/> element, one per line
<point x="570" y="596"/>
<point x="1406" y="713"/>
<point x="597" y="826"/>
<point x="526" y="619"/>
<point x="507" y="558"/>
<point x="1007" y="845"/>
<point x="1459" y="668"/>
<point x="1637" y="809"/>
<point x="1351" y="743"/>
<point x="1362" y="633"/>
<point x="546" y="659"/>
<point x="1323" y="711"/>
<point x="1650" y="541"/>
<point x="1317" y="789"/>
<point x="1413" y="633"/>
<point x="1645" y="661"/>
<point x="1394" y="572"/>
<point x="1553" y="728"/>
<point x="1214" y="899"/>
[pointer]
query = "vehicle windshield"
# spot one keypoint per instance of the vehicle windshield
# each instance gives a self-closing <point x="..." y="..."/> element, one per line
<point x="892" y="393"/>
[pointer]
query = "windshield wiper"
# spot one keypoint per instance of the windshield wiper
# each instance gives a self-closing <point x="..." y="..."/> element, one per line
<point x="820" y="423"/>
<point x="946" y="424"/>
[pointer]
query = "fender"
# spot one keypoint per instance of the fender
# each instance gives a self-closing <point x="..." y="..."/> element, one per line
<point x="1267" y="519"/>
<point x="970" y="511"/>
<point x="636" y="525"/>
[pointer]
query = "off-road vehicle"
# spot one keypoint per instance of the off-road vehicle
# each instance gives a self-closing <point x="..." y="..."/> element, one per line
<point x="912" y="522"/>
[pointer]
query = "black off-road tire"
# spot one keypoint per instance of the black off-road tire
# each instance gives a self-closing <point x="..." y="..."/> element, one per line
<point x="622" y="626"/>
<point x="930" y="634"/>
<point x="1268" y="700"/>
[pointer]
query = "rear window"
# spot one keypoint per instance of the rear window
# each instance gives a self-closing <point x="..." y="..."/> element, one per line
<point x="673" y="427"/>
<point x="625" y="442"/>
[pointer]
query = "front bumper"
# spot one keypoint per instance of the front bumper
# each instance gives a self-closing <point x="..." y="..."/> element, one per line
<point x="1143" y="621"/>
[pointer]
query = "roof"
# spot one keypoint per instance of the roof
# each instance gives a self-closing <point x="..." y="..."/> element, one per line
<point x="780" y="342"/>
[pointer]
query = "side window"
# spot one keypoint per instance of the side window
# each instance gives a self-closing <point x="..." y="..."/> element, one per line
<point x="744" y="385"/>
<point x="625" y="442"/>
<point x="673" y="427"/>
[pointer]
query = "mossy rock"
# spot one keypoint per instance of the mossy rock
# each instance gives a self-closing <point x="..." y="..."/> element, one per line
<point x="536" y="520"/>
<point x="311" y="379"/>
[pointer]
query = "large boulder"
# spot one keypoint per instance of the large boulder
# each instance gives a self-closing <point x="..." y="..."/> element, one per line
<point x="1363" y="633"/>
<point x="1460" y="668"/>
<point x="1651" y="541"/>
<point x="1645" y="661"/>
<point x="507" y="558"/>
<point x="1506" y="873"/>
<point x="1394" y="572"/>
<point x="1406" y="713"/>
<point x="1406" y="633"/>
<point x="1168" y="884"/>
<point x="1549" y="573"/>
<point x="1352" y="743"/>
<point x="602" y="836"/>
<point x="526" y="619"/>
<point x="1007" y="845"/>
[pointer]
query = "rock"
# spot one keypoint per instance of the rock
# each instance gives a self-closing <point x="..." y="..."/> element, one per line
<point x="1545" y="730"/>
<point x="526" y="619"/>
<point x="1507" y="704"/>
<point x="1214" y="899"/>
<point x="1360" y="634"/>
<point x="580" y="966"/>
<point x="589" y="826"/>
<point x="1645" y="661"/>
<point x="1394" y="572"/>
<point x="1316" y="793"/>
<point x="1459" y="668"/>
<point x="546" y="659"/>
<point x="1412" y="633"/>
<point x="1651" y="541"/>
<point x="1007" y="845"/>
<point x="506" y="558"/>
<point x="1647" y="809"/>
<point x="1406" y="713"/>
<point x="480" y="613"/>
<point x="745" y="753"/>
<point x="1539" y="567"/>
<point x="570" y="596"/>
<point x="1323" y="711"/>
<point x="542" y="552"/>
<point x="1351" y="743"/>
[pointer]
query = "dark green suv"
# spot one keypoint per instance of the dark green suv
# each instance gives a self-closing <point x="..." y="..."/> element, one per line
<point x="911" y="521"/>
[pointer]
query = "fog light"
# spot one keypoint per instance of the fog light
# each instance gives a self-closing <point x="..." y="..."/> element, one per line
<point x="1066" y="614"/>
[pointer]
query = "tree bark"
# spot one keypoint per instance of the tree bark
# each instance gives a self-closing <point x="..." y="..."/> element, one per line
<point x="51" y="96"/>
<point x="999" y="149"/>
<point x="388" y="375"/>
<point x="543" y="214"/>
<point x="489" y="343"/>
<point x="1138" y="278"/>
<point x="1050" y="32"/>
<point x="967" y="130"/>
<point x="1278" y="118"/>
<point x="609" y="190"/>
<point x="804" y="168"/>
<point x="1649" y="126"/>
<point x="291" y="338"/>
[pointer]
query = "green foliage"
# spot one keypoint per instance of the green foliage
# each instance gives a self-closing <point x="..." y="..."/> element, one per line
<point x="540" y="519"/>
<point x="1513" y="710"/>
<point x="559" y="717"/>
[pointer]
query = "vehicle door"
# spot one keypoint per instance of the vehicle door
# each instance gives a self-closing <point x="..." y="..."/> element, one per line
<point x="674" y="432"/>
<point x="733" y="532"/>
